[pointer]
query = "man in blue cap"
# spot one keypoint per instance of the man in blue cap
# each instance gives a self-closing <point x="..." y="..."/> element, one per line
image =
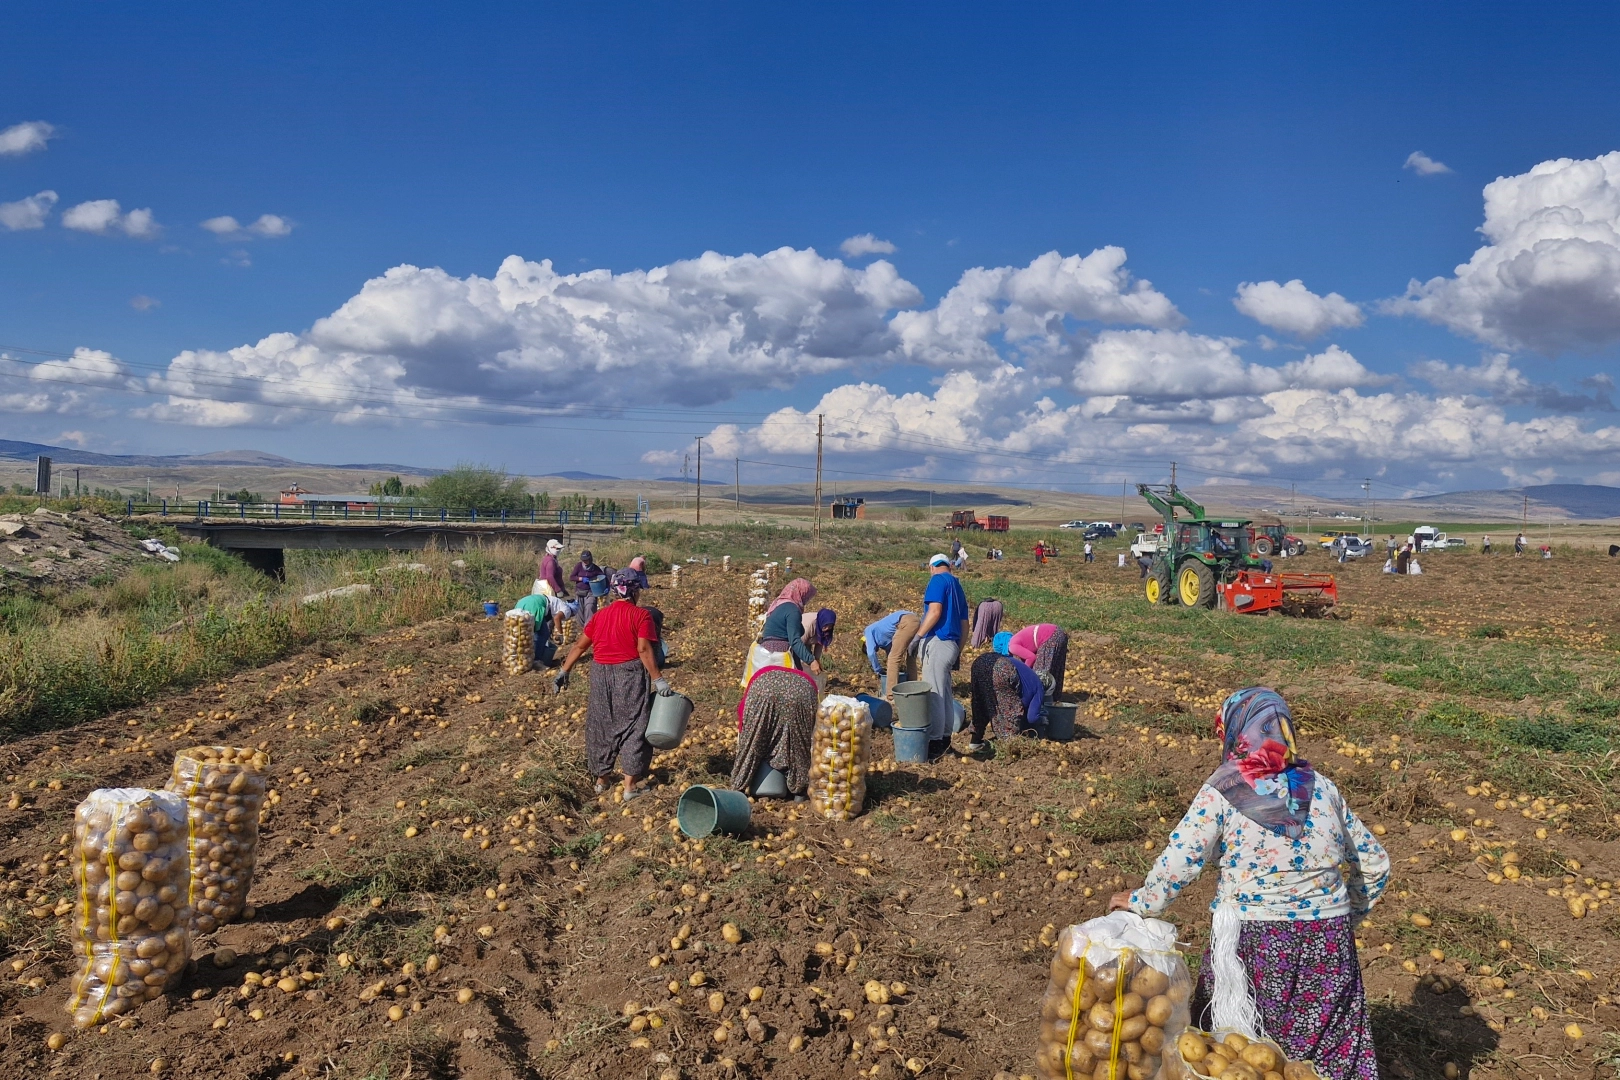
<point x="944" y="628"/>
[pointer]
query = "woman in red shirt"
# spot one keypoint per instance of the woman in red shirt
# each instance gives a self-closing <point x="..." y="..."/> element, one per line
<point x="624" y="675"/>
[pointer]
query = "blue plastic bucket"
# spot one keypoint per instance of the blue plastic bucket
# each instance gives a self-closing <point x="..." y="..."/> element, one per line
<point x="768" y="783"/>
<point x="882" y="712"/>
<point x="910" y="744"/>
<point x="704" y="811"/>
<point x="599" y="585"/>
<point x="491" y="608"/>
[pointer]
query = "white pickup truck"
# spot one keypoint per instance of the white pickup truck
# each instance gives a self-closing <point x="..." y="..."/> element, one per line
<point x="1149" y="544"/>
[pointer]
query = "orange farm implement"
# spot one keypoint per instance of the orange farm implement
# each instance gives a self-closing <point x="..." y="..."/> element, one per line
<point x="1254" y="592"/>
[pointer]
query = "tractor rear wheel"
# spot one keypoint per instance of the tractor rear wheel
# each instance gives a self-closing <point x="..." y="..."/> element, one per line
<point x="1151" y="588"/>
<point x="1157" y="588"/>
<point x="1262" y="546"/>
<point x="1195" y="585"/>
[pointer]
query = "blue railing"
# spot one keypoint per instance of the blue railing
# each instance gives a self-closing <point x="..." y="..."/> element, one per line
<point x="204" y="508"/>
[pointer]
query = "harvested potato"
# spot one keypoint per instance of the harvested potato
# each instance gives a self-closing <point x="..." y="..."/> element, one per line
<point x="1105" y="1013"/>
<point x="839" y="753"/>
<point x="517" y="642"/>
<point x="133" y="929"/>
<point x="224" y="789"/>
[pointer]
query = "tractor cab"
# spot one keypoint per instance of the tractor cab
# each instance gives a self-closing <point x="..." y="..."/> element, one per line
<point x="1218" y="540"/>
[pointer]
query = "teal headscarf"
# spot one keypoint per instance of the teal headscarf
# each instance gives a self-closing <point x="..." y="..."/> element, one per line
<point x="1002" y="643"/>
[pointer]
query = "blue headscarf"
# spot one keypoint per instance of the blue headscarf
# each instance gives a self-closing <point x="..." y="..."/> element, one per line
<point x="1002" y="643"/>
<point x="1260" y="773"/>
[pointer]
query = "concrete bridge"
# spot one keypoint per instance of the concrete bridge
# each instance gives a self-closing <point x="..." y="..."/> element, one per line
<point x="263" y="544"/>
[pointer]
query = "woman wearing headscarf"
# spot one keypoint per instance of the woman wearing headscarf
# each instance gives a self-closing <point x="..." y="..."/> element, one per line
<point x="624" y="675"/>
<point x="639" y="565"/>
<point x="776" y="719"/>
<point x="1298" y="870"/>
<point x="781" y="642"/>
<point x="1044" y="647"/>
<point x="551" y="571"/>
<point x="818" y="630"/>
<point x="583" y="573"/>
<point x="986" y="620"/>
<point x="1006" y="695"/>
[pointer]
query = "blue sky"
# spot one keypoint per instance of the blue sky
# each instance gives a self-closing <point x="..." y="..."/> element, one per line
<point x="1214" y="147"/>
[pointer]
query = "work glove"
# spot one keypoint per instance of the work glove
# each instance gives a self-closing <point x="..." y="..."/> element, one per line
<point x="661" y="687"/>
<point x="559" y="680"/>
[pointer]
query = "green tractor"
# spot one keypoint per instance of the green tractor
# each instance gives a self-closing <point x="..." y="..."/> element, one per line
<point x="1197" y="553"/>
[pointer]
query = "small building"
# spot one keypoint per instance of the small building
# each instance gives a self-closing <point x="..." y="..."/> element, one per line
<point x="297" y="496"/>
<point x="849" y="508"/>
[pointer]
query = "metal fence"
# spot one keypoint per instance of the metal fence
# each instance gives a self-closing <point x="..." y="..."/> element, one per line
<point x="204" y="508"/>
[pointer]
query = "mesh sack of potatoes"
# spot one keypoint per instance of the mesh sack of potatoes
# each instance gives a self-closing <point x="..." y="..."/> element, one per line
<point x="133" y="928"/>
<point x="1115" y="1003"/>
<point x="838" y="758"/>
<point x="1234" y="1056"/>
<point x="224" y="790"/>
<point x="517" y="642"/>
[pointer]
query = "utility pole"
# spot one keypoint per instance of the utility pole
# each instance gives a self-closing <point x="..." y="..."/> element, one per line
<point x="1172" y="476"/>
<point x="700" y="481"/>
<point x="736" y="463"/>
<point x="1122" y="502"/>
<point x="819" y="427"/>
<point x="1366" y="506"/>
<point x="1524" y="518"/>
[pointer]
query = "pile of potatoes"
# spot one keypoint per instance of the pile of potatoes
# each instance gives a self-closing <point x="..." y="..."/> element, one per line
<point x="838" y="758"/>
<point x="517" y="642"/>
<point x="1235" y="1057"/>
<point x="133" y="927"/>
<point x="1121" y="1017"/>
<point x="224" y="790"/>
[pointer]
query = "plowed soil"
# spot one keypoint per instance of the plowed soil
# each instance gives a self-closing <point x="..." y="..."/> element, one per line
<point x="432" y="811"/>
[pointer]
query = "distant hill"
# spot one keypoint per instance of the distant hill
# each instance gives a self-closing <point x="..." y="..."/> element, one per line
<point x="689" y="480"/>
<point x="67" y="455"/>
<point x="575" y="475"/>
<point x="1569" y="502"/>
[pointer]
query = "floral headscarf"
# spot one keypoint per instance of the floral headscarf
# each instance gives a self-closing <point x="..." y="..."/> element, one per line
<point x="1260" y="773"/>
<point x="625" y="583"/>
<point x="799" y="591"/>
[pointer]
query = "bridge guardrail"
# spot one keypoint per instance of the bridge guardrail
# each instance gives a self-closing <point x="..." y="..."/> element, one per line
<point x="429" y="515"/>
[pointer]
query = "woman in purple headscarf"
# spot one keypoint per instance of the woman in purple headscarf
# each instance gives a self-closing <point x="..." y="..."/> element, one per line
<point x="1284" y="908"/>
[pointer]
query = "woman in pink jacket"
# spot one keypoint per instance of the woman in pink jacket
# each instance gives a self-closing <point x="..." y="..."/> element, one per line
<point x="1045" y="648"/>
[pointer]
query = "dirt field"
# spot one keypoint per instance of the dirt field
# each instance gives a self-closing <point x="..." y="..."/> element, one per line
<point x="429" y="806"/>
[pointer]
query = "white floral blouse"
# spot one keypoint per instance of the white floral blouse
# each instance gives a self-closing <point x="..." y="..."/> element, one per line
<point x="1335" y="868"/>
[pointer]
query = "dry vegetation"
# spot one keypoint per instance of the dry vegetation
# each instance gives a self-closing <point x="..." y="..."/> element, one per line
<point x="441" y="895"/>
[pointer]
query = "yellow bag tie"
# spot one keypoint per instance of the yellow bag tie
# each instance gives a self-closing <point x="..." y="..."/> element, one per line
<point x="1074" y="1018"/>
<point x="1119" y="1019"/>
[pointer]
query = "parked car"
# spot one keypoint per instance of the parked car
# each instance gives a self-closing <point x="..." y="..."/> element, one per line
<point x="1137" y="526"/>
<point x="1101" y="532"/>
<point x="1351" y="547"/>
<point x="1442" y="542"/>
<point x="1074" y="525"/>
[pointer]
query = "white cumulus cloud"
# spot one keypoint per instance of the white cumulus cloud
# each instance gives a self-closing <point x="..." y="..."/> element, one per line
<point x="268" y="226"/>
<point x="25" y="138"/>
<point x="1549" y="278"/>
<point x="865" y="244"/>
<point x="1031" y="308"/>
<point x="29" y="213"/>
<point x="693" y="332"/>
<point x="1294" y="309"/>
<point x="1173" y="365"/>
<point x="1424" y="165"/>
<point x="104" y="217"/>
<point x="63" y="385"/>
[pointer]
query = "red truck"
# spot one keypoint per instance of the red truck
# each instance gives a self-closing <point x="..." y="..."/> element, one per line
<point x="965" y="519"/>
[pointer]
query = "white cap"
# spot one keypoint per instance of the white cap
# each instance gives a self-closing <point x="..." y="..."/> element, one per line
<point x="553" y="546"/>
<point x="939" y="560"/>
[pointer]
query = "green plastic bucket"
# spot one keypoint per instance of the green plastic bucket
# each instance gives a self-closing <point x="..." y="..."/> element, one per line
<point x="704" y="811"/>
<point x="911" y="704"/>
<point x="1060" y="720"/>
<point x="910" y="744"/>
<point x="666" y="726"/>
